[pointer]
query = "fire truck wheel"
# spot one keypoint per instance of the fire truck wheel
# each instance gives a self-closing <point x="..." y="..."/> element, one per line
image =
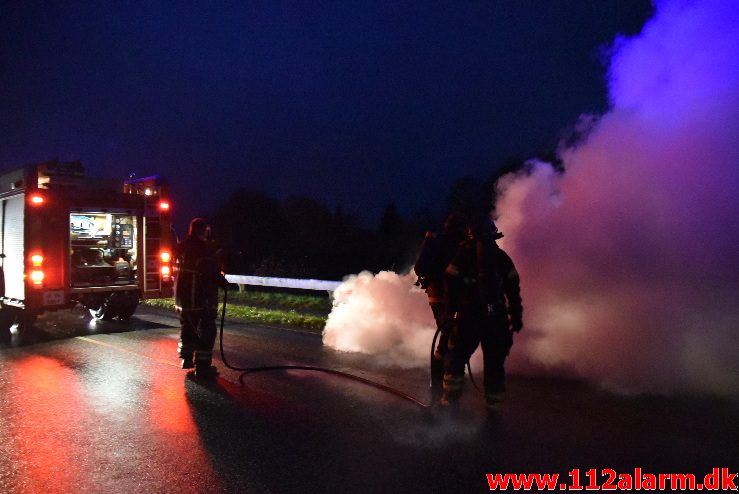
<point x="25" y="320"/>
<point x="128" y="308"/>
<point x="7" y="318"/>
<point x="127" y="305"/>
<point x="105" y="311"/>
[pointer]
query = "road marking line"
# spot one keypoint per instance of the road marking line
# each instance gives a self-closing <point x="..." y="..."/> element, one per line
<point x="161" y="361"/>
<point x="90" y="340"/>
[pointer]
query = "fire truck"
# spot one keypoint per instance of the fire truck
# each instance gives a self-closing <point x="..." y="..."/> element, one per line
<point x="67" y="239"/>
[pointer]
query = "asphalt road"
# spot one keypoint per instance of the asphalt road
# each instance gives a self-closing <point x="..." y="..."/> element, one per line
<point x="98" y="407"/>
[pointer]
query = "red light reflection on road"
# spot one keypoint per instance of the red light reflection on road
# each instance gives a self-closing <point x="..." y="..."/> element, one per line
<point x="171" y="416"/>
<point x="161" y="412"/>
<point x="43" y="414"/>
<point x="168" y="406"/>
<point x="169" y="410"/>
<point x="62" y="433"/>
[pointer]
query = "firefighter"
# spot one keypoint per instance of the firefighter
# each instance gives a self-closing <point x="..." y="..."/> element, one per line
<point x="484" y="298"/>
<point x="437" y="251"/>
<point x="196" y="298"/>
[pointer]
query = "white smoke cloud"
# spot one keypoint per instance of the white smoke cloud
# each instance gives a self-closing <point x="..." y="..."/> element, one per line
<point x="629" y="259"/>
<point x="383" y="315"/>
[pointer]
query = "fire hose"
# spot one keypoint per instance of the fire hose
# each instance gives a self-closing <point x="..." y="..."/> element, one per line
<point x="251" y="370"/>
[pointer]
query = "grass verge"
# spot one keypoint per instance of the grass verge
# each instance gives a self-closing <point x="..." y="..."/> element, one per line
<point x="276" y="300"/>
<point x="258" y="314"/>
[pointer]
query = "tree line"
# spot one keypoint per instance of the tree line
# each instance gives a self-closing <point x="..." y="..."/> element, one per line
<point x="301" y="237"/>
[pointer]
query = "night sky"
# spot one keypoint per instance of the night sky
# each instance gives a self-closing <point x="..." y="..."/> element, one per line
<point x="354" y="103"/>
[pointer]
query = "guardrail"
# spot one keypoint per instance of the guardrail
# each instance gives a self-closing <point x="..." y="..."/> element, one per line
<point x="242" y="280"/>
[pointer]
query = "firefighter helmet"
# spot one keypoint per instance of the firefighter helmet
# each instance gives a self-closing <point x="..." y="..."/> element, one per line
<point x="198" y="226"/>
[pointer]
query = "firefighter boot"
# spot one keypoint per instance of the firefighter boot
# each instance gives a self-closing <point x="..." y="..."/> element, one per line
<point x="185" y="353"/>
<point x="203" y="367"/>
<point x="205" y="371"/>
<point x="452" y="390"/>
<point x="494" y="404"/>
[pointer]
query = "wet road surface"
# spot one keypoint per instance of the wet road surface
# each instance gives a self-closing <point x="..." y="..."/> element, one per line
<point x="97" y="407"/>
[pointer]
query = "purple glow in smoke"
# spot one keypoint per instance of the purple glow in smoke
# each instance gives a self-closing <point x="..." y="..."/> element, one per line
<point x="629" y="260"/>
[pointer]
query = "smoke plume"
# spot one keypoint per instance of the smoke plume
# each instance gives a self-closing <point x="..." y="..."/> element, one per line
<point x="629" y="259"/>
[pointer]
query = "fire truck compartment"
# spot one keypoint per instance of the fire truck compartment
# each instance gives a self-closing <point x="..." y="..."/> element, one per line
<point x="102" y="248"/>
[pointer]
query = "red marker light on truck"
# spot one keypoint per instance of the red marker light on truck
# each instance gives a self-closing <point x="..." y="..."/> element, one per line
<point x="36" y="275"/>
<point x="37" y="199"/>
<point x="164" y="205"/>
<point x="166" y="270"/>
<point x="37" y="278"/>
